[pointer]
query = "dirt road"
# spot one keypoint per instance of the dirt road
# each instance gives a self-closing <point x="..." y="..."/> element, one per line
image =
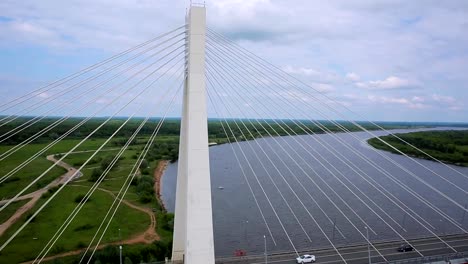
<point x="36" y="195"/>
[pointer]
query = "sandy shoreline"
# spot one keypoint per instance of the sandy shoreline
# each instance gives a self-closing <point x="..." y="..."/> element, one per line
<point x="158" y="173"/>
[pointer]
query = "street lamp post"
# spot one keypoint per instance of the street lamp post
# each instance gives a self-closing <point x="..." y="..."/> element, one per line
<point x="368" y="244"/>
<point x="266" y="259"/>
<point x="120" y="248"/>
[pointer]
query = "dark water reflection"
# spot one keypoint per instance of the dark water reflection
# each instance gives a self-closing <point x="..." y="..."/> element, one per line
<point x="238" y="223"/>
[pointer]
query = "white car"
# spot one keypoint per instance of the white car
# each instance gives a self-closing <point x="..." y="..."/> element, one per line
<point x="305" y="259"/>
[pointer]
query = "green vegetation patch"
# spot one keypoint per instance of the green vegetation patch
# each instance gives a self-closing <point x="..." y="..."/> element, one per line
<point x="11" y="209"/>
<point x="26" y="175"/>
<point x="448" y="146"/>
<point x="79" y="233"/>
<point x="131" y="254"/>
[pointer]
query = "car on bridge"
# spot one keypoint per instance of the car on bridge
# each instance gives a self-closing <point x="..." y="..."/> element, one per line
<point x="405" y="247"/>
<point x="305" y="259"/>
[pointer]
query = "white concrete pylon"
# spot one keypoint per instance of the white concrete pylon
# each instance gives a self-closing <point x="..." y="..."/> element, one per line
<point x="193" y="224"/>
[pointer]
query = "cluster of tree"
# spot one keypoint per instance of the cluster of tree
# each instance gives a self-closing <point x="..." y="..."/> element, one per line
<point x="104" y="163"/>
<point x="167" y="149"/>
<point x="166" y="221"/>
<point x="448" y="146"/>
<point x="144" y="188"/>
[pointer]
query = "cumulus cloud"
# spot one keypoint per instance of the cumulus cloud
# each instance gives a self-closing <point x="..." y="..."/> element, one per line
<point x="449" y="102"/>
<point x="443" y="98"/>
<point x="323" y="87"/>
<point x="353" y="77"/>
<point x="30" y="32"/>
<point x="410" y="103"/>
<point x="313" y="74"/>
<point x="389" y="83"/>
<point x="434" y="101"/>
<point x="418" y="99"/>
<point x="301" y="70"/>
<point x="43" y="95"/>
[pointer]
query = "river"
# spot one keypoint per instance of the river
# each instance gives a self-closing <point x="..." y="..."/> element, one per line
<point x="238" y="223"/>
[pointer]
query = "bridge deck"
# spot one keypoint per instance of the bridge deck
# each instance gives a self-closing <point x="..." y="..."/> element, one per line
<point x="430" y="247"/>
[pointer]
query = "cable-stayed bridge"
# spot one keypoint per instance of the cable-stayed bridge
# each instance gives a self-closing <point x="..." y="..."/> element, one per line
<point x="313" y="190"/>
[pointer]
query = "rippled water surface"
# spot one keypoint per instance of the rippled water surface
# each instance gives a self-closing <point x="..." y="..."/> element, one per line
<point x="303" y="175"/>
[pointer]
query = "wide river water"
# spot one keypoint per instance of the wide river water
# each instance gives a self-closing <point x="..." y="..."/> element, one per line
<point x="303" y="184"/>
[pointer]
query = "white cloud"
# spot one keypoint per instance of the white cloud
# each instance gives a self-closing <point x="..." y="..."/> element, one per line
<point x="353" y="77"/>
<point x="313" y="74"/>
<point x="434" y="101"/>
<point x="418" y="99"/>
<point x="43" y="95"/>
<point x="443" y="99"/>
<point x="389" y="83"/>
<point x="449" y="102"/>
<point x="323" y="87"/>
<point x="413" y="103"/>
<point x="301" y="70"/>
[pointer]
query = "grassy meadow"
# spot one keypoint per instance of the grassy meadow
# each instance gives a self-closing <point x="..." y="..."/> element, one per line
<point x="79" y="233"/>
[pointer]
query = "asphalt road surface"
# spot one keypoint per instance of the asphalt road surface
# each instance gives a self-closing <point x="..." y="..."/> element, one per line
<point x="359" y="254"/>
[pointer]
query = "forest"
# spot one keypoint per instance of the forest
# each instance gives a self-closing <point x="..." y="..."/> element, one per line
<point x="51" y="128"/>
<point x="447" y="146"/>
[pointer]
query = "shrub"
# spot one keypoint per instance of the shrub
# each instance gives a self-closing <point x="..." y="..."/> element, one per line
<point x="78" y="163"/>
<point x="12" y="179"/>
<point x="95" y="174"/>
<point x="31" y="215"/>
<point x="81" y="244"/>
<point x="144" y="164"/>
<point x="167" y="221"/>
<point x="146" y="197"/>
<point x="79" y="198"/>
<point x="57" y="249"/>
<point x="145" y="171"/>
<point x="83" y="227"/>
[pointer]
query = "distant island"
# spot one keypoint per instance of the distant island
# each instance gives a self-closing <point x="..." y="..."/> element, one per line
<point x="447" y="146"/>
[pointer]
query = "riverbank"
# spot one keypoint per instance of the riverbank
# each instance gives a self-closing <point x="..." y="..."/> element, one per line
<point x="158" y="174"/>
<point x="447" y="146"/>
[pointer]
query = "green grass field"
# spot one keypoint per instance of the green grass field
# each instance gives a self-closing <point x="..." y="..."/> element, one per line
<point x="79" y="233"/>
<point x="10" y="210"/>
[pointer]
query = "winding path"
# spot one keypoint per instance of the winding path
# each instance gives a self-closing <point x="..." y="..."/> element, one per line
<point x="147" y="237"/>
<point x="36" y="195"/>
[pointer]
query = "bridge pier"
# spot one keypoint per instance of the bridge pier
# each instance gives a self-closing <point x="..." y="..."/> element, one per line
<point x="193" y="224"/>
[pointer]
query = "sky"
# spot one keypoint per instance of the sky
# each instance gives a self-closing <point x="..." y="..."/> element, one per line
<point x="387" y="60"/>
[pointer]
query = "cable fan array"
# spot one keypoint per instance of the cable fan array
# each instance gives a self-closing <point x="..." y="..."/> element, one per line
<point x="311" y="183"/>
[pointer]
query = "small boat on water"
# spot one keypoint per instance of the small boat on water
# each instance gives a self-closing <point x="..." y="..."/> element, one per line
<point x="221" y="187"/>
